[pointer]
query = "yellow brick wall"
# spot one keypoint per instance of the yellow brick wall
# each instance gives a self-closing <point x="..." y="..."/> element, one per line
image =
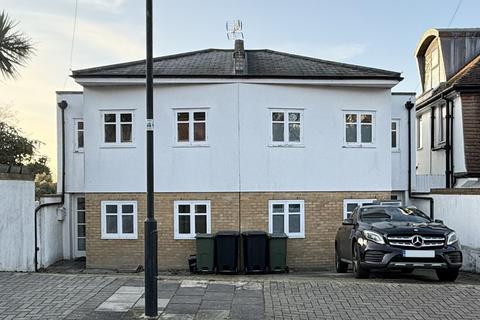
<point x="323" y="215"/>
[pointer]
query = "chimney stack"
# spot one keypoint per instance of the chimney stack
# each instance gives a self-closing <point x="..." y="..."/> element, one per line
<point x="239" y="57"/>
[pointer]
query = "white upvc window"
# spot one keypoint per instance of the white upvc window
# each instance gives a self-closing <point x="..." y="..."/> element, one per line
<point x="432" y="68"/>
<point x="79" y="134"/>
<point x="117" y="127"/>
<point x="419" y="132"/>
<point x="190" y="218"/>
<point x="287" y="216"/>
<point x="119" y="220"/>
<point x="350" y="204"/>
<point x="286" y="127"/>
<point x="191" y="127"/>
<point x="395" y="135"/>
<point x="442" y="123"/>
<point x="359" y="128"/>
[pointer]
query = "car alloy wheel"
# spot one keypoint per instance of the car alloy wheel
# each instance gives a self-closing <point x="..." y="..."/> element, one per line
<point x="340" y="266"/>
<point x="358" y="271"/>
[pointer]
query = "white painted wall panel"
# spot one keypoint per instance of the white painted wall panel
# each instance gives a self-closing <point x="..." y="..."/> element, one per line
<point x="17" y="201"/>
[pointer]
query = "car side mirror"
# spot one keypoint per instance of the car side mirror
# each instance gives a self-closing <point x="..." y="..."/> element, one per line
<point x="347" y="222"/>
<point x="439" y="221"/>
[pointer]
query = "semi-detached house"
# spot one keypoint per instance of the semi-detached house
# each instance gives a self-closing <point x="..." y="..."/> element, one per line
<point x="244" y="140"/>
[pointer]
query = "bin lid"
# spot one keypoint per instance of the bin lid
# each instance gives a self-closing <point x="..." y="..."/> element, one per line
<point x="254" y="233"/>
<point x="204" y="236"/>
<point x="228" y="233"/>
<point x="278" y="235"/>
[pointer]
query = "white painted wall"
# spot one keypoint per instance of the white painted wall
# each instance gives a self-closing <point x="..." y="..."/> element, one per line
<point x="74" y="160"/>
<point x="238" y="155"/>
<point x="460" y="212"/>
<point x="50" y="239"/>
<point x="17" y="201"/>
<point x="433" y="161"/>
<point x="400" y="156"/>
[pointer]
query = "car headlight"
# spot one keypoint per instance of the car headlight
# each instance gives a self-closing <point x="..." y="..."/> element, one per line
<point x="373" y="236"/>
<point x="452" y="238"/>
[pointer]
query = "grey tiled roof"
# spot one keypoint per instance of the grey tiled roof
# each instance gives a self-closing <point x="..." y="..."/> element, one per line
<point x="218" y="63"/>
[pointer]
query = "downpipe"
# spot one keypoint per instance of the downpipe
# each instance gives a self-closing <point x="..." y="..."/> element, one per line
<point x="62" y="105"/>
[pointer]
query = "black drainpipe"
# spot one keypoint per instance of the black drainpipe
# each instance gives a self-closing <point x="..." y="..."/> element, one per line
<point x="448" y="143"/>
<point x="62" y="105"/>
<point x="409" y="105"/>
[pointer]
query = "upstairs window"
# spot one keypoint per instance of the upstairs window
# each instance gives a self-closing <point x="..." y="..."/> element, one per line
<point x="286" y="127"/>
<point x="190" y="218"/>
<point x="191" y="127"/>
<point x="287" y="217"/>
<point x="442" y="124"/>
<point x="395" y="135"/>
<point x="117" y="127"/>
<point x="79" y="135"/>
<point x="432" y="68"/>
<point x="359" y="128"/>
<point x="119" y="220"/>
<point x="419" y="133"/>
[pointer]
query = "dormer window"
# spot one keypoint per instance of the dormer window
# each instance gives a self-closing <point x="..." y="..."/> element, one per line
<point x="432" y="68"/>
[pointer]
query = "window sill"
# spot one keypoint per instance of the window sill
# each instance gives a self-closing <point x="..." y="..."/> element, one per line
<point x="118" y="146"/>
<point x="302" y="236"/>
<point x="300" y="145"/>
<point x="195" y="145"/>
<point x="78" y="151"/>
<point x="439" y="146"/>
<point x="395" y="150"/>
<point x="359" y="146"/>
<point x="117" y="237"/>
<point x="184" y="237"/>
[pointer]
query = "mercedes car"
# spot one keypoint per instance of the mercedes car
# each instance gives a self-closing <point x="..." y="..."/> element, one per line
<point x="390" y="237"/>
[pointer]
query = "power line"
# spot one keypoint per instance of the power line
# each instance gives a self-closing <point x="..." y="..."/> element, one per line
<point x="455" y="13"/>
<point x="72" y="44"/>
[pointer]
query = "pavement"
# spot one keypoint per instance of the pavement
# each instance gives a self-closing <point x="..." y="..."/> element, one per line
<point x="321" y="295"/>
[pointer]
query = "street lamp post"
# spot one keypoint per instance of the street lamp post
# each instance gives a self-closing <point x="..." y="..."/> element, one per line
<point x="150" y="231"/>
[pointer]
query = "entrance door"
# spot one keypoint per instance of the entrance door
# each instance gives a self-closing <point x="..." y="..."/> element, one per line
<point x="80" y="227"/>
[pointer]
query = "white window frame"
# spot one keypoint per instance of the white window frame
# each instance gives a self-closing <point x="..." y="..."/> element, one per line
<point x="118" y="140"/>
<point x="419" y="140"/>
<point x="79" y="253"/>
<point x="441" y="124"/>
<point x="397" y="135"/>
<point x="119" y="234"/>
<point x="191" y="142"/>
<point x="285" y="203"/>
<point x="75" y="124"/>
<point x="359" y="142"/>
<point x="176" y="214"/>
<point x="286" y="121"/>
<point x="359" y="202"/>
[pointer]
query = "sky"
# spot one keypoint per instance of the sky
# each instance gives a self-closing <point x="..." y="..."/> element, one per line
<point x="374" y="33"/>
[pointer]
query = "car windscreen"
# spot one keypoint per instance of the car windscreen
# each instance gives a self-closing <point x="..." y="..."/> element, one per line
<point x="379" y="214"/>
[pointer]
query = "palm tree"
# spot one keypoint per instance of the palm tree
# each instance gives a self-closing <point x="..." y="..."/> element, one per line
<point x="15" y="47"/>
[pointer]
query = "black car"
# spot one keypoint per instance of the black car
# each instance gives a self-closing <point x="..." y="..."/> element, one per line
<point x="384" y="236"/>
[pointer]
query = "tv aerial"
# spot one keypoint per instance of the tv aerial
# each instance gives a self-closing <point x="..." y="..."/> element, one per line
<point x="234" y="30"/>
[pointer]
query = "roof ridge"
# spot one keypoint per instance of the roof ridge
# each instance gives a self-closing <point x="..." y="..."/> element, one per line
<point x="131" y="63"/>
<point x="353" y="66"/>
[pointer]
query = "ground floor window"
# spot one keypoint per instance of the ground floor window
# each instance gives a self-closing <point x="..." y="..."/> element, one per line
<point x="119" y="220"/>
<point x="81" y="224"/>
<point x="287" y="216"/>
<point x="350" y="204"/>
<point x="190" y="218"/>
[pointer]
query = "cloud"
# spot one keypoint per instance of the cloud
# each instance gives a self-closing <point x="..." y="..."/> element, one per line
<point x="335" y="52"/>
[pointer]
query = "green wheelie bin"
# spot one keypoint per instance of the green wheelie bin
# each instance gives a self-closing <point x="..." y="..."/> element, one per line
<point x="205" y="252"/>
<point x="278" y="252"/>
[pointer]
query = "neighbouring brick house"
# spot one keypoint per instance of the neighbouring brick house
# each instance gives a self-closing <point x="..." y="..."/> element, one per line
<point x="447" y="125"/>
<point x="256" y="140"/>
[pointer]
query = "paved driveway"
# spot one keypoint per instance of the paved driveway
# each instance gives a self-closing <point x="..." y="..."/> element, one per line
<point x="293" y="296"/>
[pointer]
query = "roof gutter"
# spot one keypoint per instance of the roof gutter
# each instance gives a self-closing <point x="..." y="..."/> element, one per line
<point x="62" y="105"/>
<point x="442" y="94"/>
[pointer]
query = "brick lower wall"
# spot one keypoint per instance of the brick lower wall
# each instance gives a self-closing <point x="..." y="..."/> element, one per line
<point x="323" y="215"/>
